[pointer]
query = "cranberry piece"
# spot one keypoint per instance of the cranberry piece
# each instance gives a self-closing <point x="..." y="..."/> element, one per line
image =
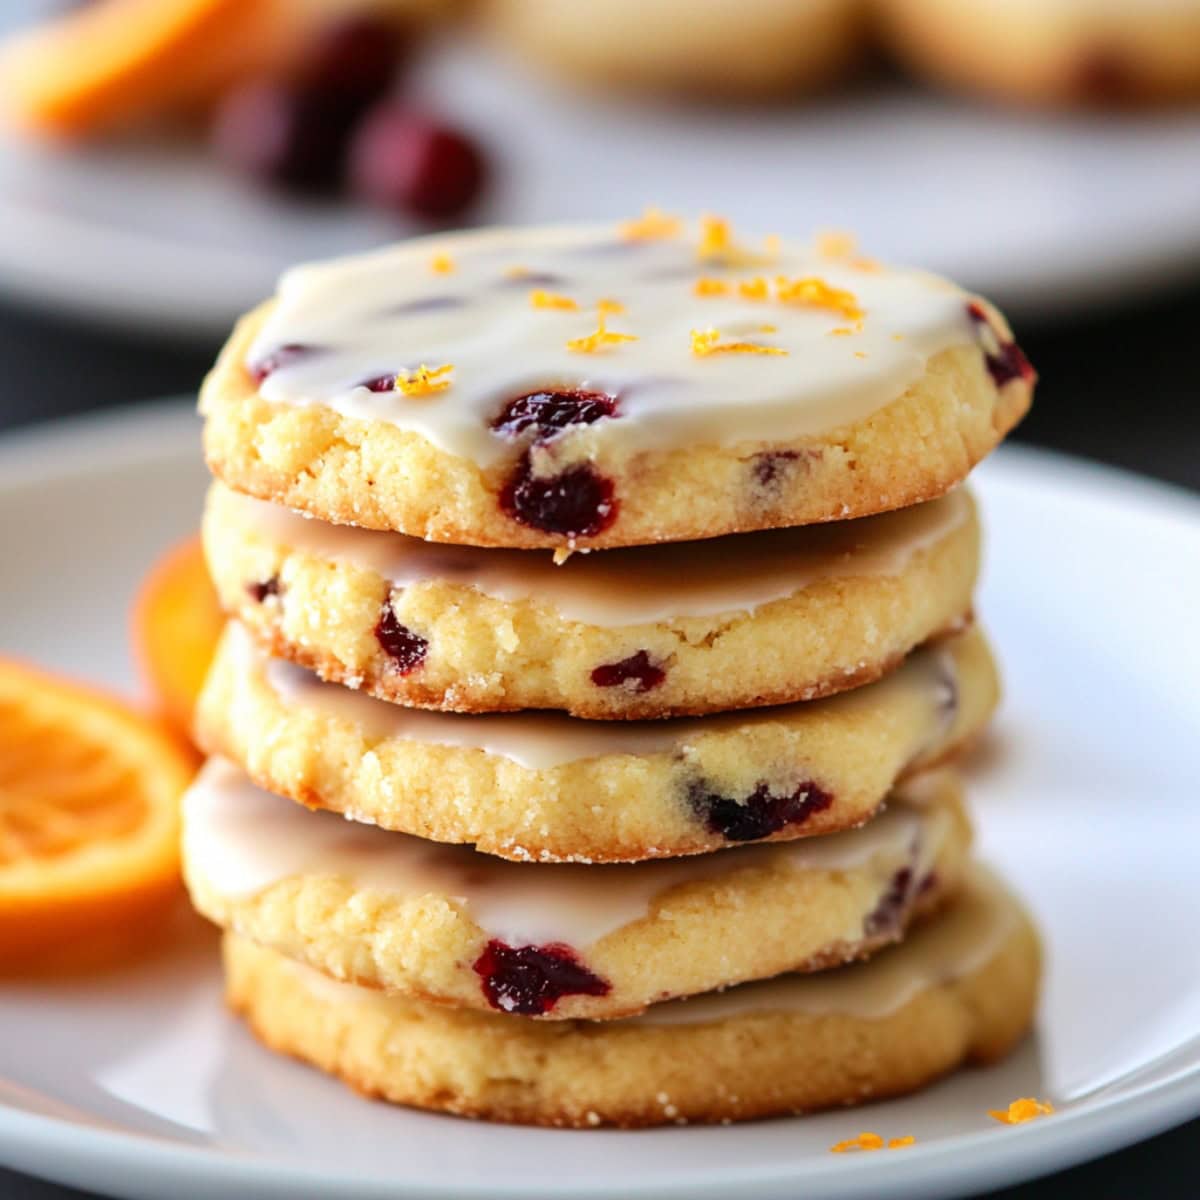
<point x="770" y="467"/>
<point x="380" y="383"/>
<point x="761" y="814"/>
<point x="637" y="673"/>
<point x="1007" y="360"/>
<point x="281" y="357"/>
<point x="281" y="134"/>
<point x="405" y="648"/>
<point x="578" y="503"/>
<point x="885" y="917"/>
<point x="530" y="980"/>
<point x="547" y="413"/>
<point x="260" y="591"/>
<point x="351" y="63"/>
<point x="406" y="161"/>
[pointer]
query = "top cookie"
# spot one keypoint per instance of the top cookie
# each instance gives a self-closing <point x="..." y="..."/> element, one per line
<point x="579" y="388"/>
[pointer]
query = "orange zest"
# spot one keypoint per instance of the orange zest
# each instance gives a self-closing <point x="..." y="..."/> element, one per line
<point x="1020" y="1111"/>
<point x="652" y="225"/>
<point x="89" y="814"/>
<point x="541" y="299"/>
<point x="816" y="293"/>
<point x="871" y="1141"/>
<point x="708" y="341"/>
<point x="595" y="343"/>
<point x="442" y="264"/>
<point x="175" y="626"/>
<point x="424" y="381"/>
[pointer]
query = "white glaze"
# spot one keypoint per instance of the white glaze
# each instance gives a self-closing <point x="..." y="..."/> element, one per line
<point x="241" y="840"/>
<point x="630" y="586"/>
<point x="960" y="940"/>
<point x="541" y="740"/>
<point x="360" y="312"/>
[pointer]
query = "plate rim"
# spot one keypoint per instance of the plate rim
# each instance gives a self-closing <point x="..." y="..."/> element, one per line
<point x="74" y="1153"/>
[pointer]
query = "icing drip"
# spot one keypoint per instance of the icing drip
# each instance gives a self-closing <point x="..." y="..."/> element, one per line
<point x="630" y="586"/>
<point x="242" y="840"/>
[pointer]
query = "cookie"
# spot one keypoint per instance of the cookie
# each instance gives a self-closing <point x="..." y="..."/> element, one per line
<point x="1058" y="52"/>
<point x="756" y="49"/>
<point x="449" y="924"/>
<point x="547" y="787"/>
<point x="591" y="388"/>
<point x="961" y="988"/>
<point x="685" y="629"/>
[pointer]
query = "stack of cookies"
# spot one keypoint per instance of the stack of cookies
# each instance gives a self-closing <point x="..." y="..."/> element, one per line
<point x="600" y="633"/>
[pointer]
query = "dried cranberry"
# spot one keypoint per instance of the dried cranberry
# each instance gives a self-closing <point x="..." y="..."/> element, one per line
<point x="281" y="357"/>
<point x="530" y="980"/>
<point x="578" y="503"/>
<point x="281" y="134"/>
<point x="1007" y="361"/>
<point x="380" y="383"/>
<point x="761" y="814"/>
<point x="886" y="916"/>
<point x="547" y="413"/>
<point x="406" y="161"/>
<point x="351" y="63"/>
<point x="405" y="648"/>
<point x="268" y="587"/>
<point x="637" y="673"/>
<point x="771" y="466"/>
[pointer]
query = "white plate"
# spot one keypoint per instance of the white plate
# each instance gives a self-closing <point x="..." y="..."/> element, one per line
<point x="1041" y="213"/>
<point x="138" y="1083"/>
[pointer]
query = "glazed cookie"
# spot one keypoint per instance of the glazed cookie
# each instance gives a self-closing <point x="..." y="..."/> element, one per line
<point x="576" y="388"/>
<point x="756" y="48"/>
<point x="1092" y="52"/>
<point x="546" y="787"/>
<point x="961" y="988"/>
<point x="695" y="627"/>
<point x="449" y="924"/>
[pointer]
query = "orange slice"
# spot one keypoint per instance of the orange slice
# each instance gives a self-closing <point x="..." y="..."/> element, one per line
<point x="89" y="813"/>
<point x="113" y="63"/>
<point x="176" y="622"/>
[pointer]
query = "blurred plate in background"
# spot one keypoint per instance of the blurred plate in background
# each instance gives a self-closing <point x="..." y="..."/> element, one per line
<point x="1043" y="213"/>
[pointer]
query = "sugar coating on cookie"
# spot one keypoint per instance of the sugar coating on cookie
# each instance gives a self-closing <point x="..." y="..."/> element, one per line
<point x="548" y="787"/>
<point x="686" y="628"/>
<point x="960" y="989"/>
<point x="609" y="386"/>
<point x="563" y="940"/>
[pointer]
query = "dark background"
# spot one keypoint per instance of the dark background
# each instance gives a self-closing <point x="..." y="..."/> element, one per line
<point x="1122" y="386"/>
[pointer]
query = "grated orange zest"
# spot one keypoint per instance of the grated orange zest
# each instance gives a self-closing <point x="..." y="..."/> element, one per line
<point x="1020" y="1111"/>
<point x="707" y="286"/>
<point x="708" y="341"/>
<point x="441" y="264"/>
<point x="541" y="299"/>
<point x="424" y="381"/>
<point x="816" y="293"/>
<point x="652" y="225"/>
<point x="595" y="343"/>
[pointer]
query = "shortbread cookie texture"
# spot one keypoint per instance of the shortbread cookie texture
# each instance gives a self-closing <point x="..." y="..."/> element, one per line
<point x="728" y="623"/>
<point x="753" y="49"/>
<point x="1059" y="52"/>
<point x="547" y="787"/>
<point x="576" y="388"/>
<point x="962" y="988"/>
<point x="447" y="923"/>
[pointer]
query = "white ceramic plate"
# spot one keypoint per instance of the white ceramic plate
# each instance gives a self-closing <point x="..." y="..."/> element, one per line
<point x="138" y="1083"/>
<point x="1041" y="213"/>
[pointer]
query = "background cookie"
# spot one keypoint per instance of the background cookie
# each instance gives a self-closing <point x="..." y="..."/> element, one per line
<point x="697" y="627"/>
<point x="1051" y="51"/>
<point x="961" y="988"/>
<point x="737" y="388"/>
<point x="757" y="48"/>
<point x="447" y="923"/>
<point x="547" y="787"/>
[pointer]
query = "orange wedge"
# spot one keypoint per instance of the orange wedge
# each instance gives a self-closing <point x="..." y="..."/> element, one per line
<point x="112" y="63"/>
<point x="176" y="622"/>
<point x="89" y="814"/>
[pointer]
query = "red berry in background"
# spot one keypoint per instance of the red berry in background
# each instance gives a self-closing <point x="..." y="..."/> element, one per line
<point x="406" y="161"/>
<point x="281" y="134"/>
<point x="350" y="64"/>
